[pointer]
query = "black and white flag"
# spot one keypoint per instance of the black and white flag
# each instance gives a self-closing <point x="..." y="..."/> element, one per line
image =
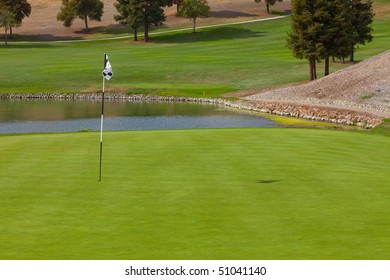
<point x="107" y="71"/>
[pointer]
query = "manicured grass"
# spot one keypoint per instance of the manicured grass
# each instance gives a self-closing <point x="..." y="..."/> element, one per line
<point x="215" y="60"/>
<point x="383" y="128"/>
<point x="196" y="194"/>
<point x="189" y="194"/>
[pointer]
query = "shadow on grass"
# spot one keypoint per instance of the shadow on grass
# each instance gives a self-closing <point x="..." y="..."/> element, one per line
<point x="205" y="35"/>
<point x="266" y="181"/>
<point x="112" y="29"/>
<point x="279" y="13"/>
<point x="28" y="45"/>
<point x="40" y="38"/>
<point x="230" y="14"/>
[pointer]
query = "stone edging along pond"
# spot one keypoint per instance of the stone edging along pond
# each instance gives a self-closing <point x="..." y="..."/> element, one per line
<point x="312" y="112"/>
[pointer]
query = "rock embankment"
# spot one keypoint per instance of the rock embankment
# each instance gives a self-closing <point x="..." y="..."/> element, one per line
<point x="319" y="113"/>
<point x="107" y="96"/>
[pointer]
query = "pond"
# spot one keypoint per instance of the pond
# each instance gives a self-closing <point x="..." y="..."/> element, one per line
<point x="32" y="116"/>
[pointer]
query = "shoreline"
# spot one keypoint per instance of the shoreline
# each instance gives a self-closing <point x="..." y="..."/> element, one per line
<point x="347" y="116"/>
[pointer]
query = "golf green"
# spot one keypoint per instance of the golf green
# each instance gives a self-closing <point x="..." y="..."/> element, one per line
<point x="196" y="194"/>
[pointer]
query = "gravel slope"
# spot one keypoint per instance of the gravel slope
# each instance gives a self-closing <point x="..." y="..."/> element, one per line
<point x="363" y="87"/>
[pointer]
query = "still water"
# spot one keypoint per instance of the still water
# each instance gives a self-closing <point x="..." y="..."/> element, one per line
<point x="74" y="115"/>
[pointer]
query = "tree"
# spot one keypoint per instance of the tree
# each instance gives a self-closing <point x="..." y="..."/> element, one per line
<point x="20" y="9"/>
<point x="7" y="20"/>
<point x="194" y="9"/>
<point x="362" y="15"/>
<point x="152" y="14"/>
<point x="336" y="36"/>
<point x="178" y="5"/>
<point x="84" y="9"/>
<point x="130" y="13"/>
<point x="304" y="39"/>
<point x="321" y="29"/>
<point x="269" y="3"/>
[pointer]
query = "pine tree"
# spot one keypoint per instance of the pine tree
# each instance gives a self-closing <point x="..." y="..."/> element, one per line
<point x="362" y="15"/>
<point x="152" y="14"/>
<point x="337" y="26"/>
<point x="307" y="30"/>
<point x="323" y="29"/>
<point x="130" y="13"/>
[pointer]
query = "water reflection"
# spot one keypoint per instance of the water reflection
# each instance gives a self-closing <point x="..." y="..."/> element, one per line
<point x="74" y="115"/>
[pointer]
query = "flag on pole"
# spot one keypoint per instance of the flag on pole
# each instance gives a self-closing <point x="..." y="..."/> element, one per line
<point x="107" y="71"/>
<point x="107" y="75"/>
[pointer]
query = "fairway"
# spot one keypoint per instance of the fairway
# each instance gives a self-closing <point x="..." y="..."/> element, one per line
<point x="214" y="60"/>
<point x="196" y="194"/>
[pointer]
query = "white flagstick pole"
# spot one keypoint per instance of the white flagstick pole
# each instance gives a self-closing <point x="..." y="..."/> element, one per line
<point x="101" y="128"/>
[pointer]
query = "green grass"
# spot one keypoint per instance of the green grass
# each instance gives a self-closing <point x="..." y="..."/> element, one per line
<point x="383" y="128"/>
<point x="189" y="194"/>
<point x="215" y="60"/>
<point x="196" y="194"/>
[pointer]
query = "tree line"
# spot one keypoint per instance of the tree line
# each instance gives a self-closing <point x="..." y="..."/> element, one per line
<point x="323" y="29"/>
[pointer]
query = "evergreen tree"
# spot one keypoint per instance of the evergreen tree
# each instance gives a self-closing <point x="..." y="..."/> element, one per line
<point x="84" y="9"/>
<point x="362" y="15"/>
<point x="337" y="24"/>
<point x="306" y="37"/>
<point x="130" y="13"/>
<point x="323" y="29"/>
<point x="194" y="9"/>
<point x="152" y="14"/>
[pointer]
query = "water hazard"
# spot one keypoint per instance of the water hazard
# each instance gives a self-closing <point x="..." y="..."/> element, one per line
<point x="32" y="116"/>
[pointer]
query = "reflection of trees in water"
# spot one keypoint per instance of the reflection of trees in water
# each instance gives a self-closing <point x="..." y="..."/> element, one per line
<point x="13" y="110"/>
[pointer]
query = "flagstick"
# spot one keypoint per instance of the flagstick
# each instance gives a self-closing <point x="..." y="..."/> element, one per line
<point x="101" y="135"/>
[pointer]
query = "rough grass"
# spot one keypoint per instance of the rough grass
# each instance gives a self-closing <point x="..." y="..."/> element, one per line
<point x="196" y="194"/>
<point x="215" y="60"/>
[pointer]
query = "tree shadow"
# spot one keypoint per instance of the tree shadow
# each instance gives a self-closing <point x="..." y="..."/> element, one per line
<point x="40" y="38"/>
<point x="28" y="45"/>
<point x="51" y="37"/>
<point x="230" y="14"/>
<point x="112" y="29"/>
<point x="202" y="35"/>
<point x="280" y="13"/>
<point x="267" y="181"/>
